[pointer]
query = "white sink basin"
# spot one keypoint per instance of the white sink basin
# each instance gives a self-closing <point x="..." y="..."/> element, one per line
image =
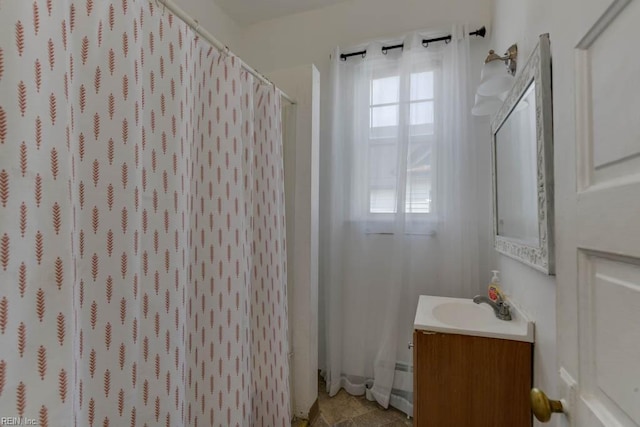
<point x="462" y="316"/>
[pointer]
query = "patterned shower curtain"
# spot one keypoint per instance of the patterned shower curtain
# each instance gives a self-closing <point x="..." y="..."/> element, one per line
<point x="142" y="247"/>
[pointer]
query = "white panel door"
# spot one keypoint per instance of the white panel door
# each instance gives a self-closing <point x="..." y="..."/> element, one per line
<point x="597" y="91"/>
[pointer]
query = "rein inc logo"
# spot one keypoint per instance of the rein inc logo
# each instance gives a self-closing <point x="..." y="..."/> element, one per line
<point x="18" y="421"/>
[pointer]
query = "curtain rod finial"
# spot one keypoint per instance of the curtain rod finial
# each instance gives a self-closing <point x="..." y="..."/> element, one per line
<point x="481" y="32"/>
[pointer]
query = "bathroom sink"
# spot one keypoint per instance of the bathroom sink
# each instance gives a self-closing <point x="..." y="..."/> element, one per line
<point x="461" y="315"/>
<point x="464" y="317"/>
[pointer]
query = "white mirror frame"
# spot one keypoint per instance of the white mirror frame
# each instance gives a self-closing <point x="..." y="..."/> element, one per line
<point x="538" y="69"/>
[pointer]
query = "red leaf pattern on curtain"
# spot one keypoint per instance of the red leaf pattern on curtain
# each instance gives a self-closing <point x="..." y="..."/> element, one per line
<point x="52" y="109"/>
<point x="72" y="16"/>
<point x="36" y="18"/>
<point x="64" y="34"/>
<point x="57" y="223"/>
<point x="43" y="418"/>
<point x="39" y="247"/>
<point x="61" y="328"/>
<point x="20" y="37"/>
<point x="109" y="289"/>
<point x="40" y="304"/>
<point x="22" y="279"/>
<point x="22" y="339"/>
<point x="22" y="98"/>
<point x="96" y="80"/>
<point x="4" y="188"/>
<point x="21" y="398"/>
<point x="54" y="163"/>
<point x="3" y="375"/>
<point x="37" y="190"/>
<point x="59" y="273"/>
<point x="38" y="74"/>
<point x="52" y="55"/>
<point x="23" y="159"/>
<point x="38" y="132"/>
<point x="4" y="251"/>
<point x="3" y="124"/>
<point x="4" y="314"/>
<point x="62" y="385"/>
<point x="84" y="50"/>
<point x="42" y="362"/>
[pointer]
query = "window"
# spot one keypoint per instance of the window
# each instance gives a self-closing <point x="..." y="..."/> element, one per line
<point x="401" y="111"/>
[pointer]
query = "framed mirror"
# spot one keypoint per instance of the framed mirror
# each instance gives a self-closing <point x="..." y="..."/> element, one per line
<point x="522" y="165"/>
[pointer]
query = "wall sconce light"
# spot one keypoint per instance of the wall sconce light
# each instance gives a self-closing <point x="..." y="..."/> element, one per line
<point x="495" y="80"/>
<point x="510" y="58"/>
<point x="485" y="105"/>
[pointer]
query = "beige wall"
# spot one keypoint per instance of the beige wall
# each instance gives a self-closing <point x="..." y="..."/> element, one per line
<point x="212" y="18"/>
<point x="309" y="37"/>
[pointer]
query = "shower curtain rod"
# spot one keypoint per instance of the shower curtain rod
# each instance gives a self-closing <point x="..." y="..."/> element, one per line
<point x="195" y="26"/>
<point x="480" y="32"/>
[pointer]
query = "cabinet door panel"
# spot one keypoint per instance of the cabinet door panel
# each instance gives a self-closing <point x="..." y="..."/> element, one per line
<point x="471" y="381"/>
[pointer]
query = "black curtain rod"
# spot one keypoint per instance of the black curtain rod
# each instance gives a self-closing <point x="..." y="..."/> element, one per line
<point x="481" y="32"/>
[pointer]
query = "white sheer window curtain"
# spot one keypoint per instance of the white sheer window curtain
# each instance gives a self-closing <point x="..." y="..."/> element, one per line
<point x="401" y="217"/>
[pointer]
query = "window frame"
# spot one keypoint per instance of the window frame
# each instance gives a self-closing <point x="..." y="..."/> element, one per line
<point x="384" y="218"/>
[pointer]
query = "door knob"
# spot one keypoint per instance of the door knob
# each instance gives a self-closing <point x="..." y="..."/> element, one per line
<point x="543" y="407"/>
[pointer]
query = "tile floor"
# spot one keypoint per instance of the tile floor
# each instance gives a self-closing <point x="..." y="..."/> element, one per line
<point x="344" y="410"/>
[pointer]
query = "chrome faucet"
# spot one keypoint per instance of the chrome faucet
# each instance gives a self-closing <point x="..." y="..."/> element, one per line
<point x="500" y="307"/>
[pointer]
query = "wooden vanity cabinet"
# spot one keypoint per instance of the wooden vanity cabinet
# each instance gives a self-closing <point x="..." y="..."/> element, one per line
<point x="467" y="381"/>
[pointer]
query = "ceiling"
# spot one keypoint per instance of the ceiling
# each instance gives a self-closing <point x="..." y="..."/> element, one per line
<point x="246" y="12"/>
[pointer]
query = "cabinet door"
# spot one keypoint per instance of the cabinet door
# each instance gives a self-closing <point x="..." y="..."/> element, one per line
<point x="471" y="381"/>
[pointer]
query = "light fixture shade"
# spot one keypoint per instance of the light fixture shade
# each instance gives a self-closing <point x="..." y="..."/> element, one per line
<point x="503" y="95"/>
<point x="486" y="105"/>
<point x="494" y="79"/>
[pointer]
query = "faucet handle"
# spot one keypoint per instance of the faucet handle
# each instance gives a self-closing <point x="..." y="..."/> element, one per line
<point x="504" y="309"/>
<point x="502" y="303"/>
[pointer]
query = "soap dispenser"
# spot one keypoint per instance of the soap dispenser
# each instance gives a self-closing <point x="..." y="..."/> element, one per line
<point x="494" y="289"/>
